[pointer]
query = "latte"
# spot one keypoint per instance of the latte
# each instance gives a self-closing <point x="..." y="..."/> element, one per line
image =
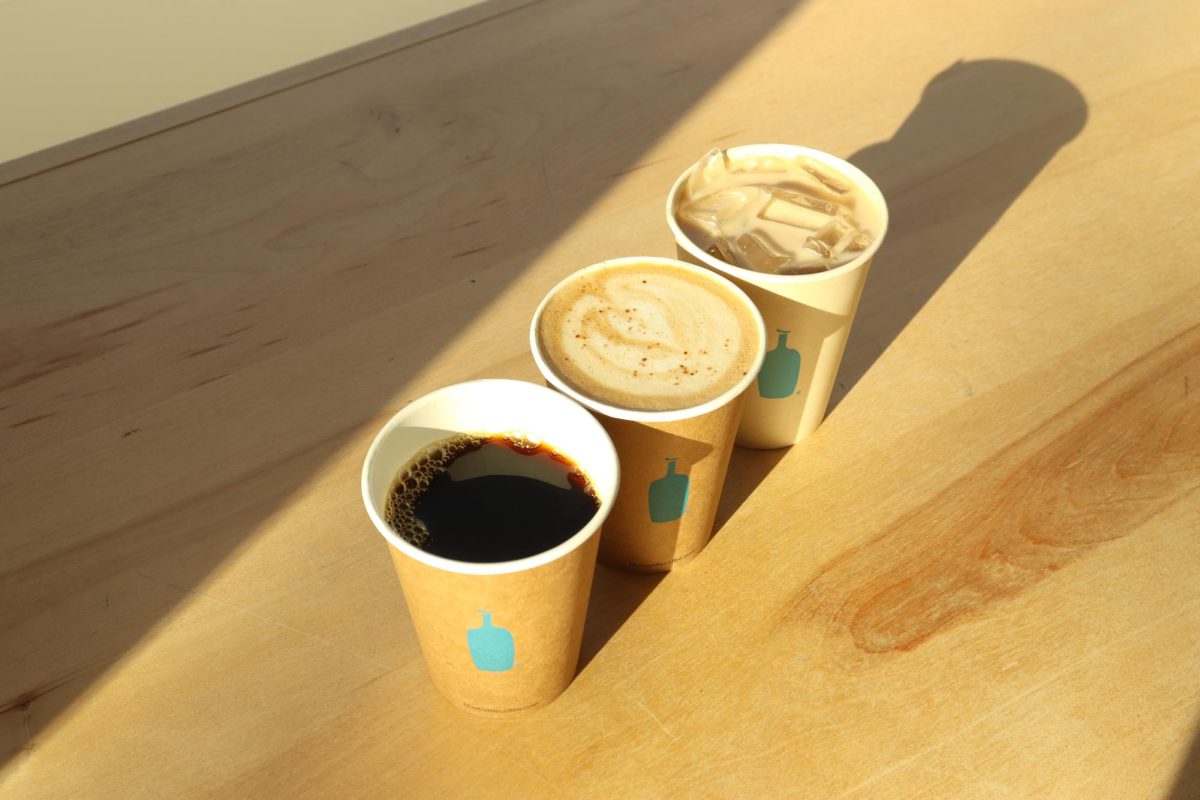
<point x="648" y="336"/>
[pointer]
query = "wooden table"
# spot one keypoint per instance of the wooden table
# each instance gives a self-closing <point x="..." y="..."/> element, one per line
<point x="977" y="580"/>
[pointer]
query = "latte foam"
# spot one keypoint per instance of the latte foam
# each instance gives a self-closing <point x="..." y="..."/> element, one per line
<point x="648" y="337"/>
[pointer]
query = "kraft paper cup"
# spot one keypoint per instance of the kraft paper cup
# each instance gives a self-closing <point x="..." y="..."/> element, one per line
<point x="808" y="317"/>
<point x="673" y="463"/>
<point x="504" y="637"/>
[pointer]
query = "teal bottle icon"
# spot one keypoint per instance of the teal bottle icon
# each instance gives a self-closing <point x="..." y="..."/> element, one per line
<point x="780" y="370"/>
<point x="669" y="495"/>
<point x="491" y="647"/>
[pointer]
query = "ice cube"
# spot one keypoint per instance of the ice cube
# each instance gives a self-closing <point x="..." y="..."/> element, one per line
<point x="713" y="212"/>
<point x="798" y="209"/>
<point x="701" y="219"/>
<point x="802" y="268"/>
<point x="837" y="234"/>
<point x="758" y="253"/>
<point x="861" y="241"/>
<point x="817" y="246"/>
<point x="720" y="250"/>
<point x="830" y="181"/>
<point x="808" y="201"/>
<point x="709" y="170"/>
<point x="761" y="164"/>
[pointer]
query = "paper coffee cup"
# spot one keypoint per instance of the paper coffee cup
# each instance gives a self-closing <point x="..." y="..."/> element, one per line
<point x="673" y="463"/>
<point x="807" y="317"/>
<point x="504" y="637"/>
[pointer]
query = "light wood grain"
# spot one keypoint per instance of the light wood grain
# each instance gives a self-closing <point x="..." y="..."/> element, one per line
<point x="84" y="77"/>
<point x="977" y="580"/>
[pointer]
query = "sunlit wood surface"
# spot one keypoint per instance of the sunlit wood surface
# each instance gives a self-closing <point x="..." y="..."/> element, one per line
<point x="979" y="579"/>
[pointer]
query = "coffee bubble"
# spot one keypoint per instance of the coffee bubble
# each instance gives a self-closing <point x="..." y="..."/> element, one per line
<point x="414" y="479"/>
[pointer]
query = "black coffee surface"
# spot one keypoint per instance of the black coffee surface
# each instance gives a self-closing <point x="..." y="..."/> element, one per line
<point x="489" y="498"/>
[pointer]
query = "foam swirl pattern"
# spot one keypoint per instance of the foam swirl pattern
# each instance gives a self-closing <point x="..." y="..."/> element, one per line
<point x="647" y="337"/>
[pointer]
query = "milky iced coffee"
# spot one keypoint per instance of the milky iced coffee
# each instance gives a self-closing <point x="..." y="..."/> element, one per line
<point x="788" y="215"/>
<point x="797" y="230"/>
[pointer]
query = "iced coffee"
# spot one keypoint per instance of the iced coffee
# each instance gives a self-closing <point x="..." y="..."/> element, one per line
<point x="788" y="215"/>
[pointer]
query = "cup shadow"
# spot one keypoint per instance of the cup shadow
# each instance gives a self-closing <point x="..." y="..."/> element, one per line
<point x="1187" y="778"/>
<point x="747" y="469"/>
<point x="980" y="134"/>
<point x="616" y="595"/>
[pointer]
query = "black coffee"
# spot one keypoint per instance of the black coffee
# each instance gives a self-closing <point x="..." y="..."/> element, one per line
<point x="489" y="498"/>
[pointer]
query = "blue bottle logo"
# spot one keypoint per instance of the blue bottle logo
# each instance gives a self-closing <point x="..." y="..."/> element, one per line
<point x="669" y="495"/>
<point x="491" y="647"/>
<point x="780" y="370"/>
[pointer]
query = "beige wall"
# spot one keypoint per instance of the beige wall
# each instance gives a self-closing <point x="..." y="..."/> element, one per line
<point x="72" y="68"/>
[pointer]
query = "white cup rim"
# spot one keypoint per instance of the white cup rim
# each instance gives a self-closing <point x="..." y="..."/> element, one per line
<point x="861" y="179"/>
<point x="495" y="567"/>
<point x="635" y="415"/>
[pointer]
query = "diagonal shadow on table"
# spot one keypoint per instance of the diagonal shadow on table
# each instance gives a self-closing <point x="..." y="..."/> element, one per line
<point x="615" y="596"/>
<point x="980" y="134"/>
<point x="210" y="314"/>
<point x="1186" y="785"/>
